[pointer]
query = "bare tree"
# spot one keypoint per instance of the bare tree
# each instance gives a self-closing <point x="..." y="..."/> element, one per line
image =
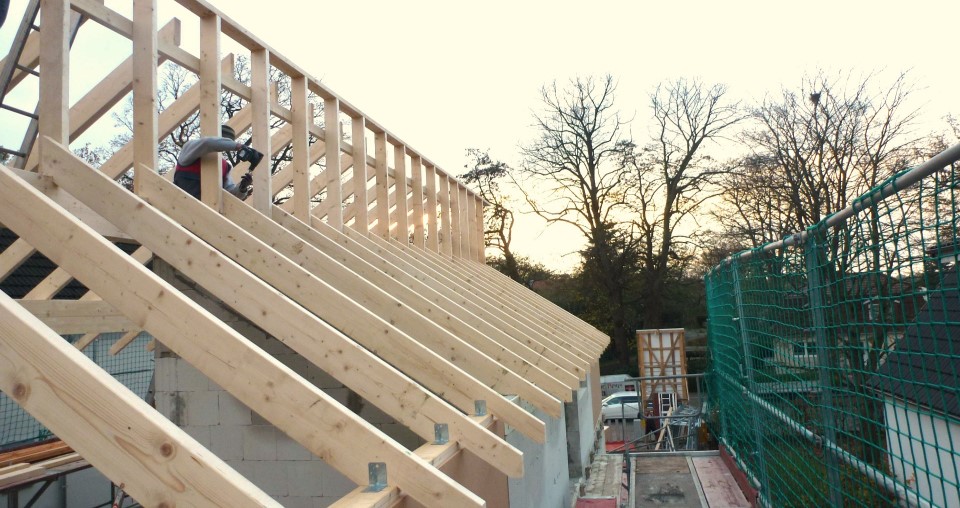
<point x="825" y="144"/>
<point x="486" y="175"/>
<point x="675" y="176"/>
<point x="577" y="165"/>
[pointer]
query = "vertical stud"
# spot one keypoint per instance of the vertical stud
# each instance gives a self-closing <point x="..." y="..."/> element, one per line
<point x="144" y="88"/>
<point x="300" y="148"/>
<point x="262" y="196"/>
<point x="430" y="174"/>
<point x="211" y="169"/>
<point x="383" y="186"/>
<point x="402" y="231"/>
<point x="455" y="240"/>
<point x="416" y="172"/>
<point x="54" y="71"/>
<point x="361" y="220"/>
<point x="333" y="135"/>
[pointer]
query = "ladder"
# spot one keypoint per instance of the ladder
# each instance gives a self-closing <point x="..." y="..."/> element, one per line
<point x="13" y="72"/>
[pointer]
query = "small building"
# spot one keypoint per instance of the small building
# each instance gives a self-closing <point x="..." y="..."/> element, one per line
<point x="919" y="383"/>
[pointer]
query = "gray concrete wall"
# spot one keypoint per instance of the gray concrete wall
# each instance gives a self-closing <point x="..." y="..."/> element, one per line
<point x="546" y="479"/>
<point x="581" y="429"/>
<point x="244" y="439"/>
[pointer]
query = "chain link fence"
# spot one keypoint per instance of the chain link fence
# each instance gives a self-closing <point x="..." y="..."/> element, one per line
<point x="835" y="353"/>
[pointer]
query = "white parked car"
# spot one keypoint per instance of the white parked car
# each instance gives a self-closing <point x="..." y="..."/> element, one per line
<point x="621" y="405"/>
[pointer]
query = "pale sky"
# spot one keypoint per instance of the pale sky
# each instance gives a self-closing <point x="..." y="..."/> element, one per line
<point x="447" y="76"/>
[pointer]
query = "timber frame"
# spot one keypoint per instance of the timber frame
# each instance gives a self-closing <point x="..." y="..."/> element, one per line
<point x="381" y="284"/>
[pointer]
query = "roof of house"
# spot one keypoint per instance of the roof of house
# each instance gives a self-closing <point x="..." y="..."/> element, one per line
<point x="924" y="367"/>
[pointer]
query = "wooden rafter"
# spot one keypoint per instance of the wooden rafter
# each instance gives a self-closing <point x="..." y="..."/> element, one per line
<point x="204" y="341"/>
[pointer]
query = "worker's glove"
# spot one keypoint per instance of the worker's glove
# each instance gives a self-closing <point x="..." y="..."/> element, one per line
<point x="246" y="184"/>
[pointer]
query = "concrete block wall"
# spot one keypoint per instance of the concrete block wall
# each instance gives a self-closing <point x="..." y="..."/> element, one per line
<point x="242" y="438"/>
<point x="546" y="480"/>
<point x="581" y="429"/>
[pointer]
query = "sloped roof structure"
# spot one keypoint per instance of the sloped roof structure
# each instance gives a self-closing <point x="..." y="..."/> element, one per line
<point x="381" y="283"/>
<point x="923" y="360"/>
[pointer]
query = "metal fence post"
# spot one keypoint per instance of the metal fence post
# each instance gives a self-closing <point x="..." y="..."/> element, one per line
<point x="812" y="257"/>
<point x="751" y="383"/>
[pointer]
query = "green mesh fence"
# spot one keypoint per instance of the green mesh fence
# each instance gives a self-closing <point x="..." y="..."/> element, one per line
<point x="133" y="366"/>
<point x="835" y="355"/>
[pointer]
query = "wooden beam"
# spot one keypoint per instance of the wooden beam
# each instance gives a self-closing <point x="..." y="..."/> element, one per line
<point x="301" y="144"/>
<point x="144" y="86"/>
<point x="359" y="139"/>
<point x="446" y="235"/>
<point x="124" y="341"/>
<point x="421" y="299"/>
<point x="433" y="237"/>
<point x="211" y="172"/>
<point x="362" y="323"/>
<point x="477" y="236"/>
<point x="456" y="242"/>
<point x="14" y="256"/>
<point x="416" y="170"/>
<point x="331" y="112"/>
<point x="75" y="316"/>
<point x="383" y="186"/>
<point x="420" y="265"/>
<point x="116" y="431"/>
<point x="55" y="69"/>
<point x="105" y="95"/>
<point x="402" y="231"/>
<point x="288" y="401"/>
<point x="260" y="89"/>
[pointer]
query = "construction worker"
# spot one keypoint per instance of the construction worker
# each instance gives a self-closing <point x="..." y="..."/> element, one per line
<point x="187" y="174"/>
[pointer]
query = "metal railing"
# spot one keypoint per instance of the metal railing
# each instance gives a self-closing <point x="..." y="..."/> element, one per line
<point x="835" y="353"/>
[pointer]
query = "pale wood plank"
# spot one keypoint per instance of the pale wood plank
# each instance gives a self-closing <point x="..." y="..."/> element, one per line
<point x="466" y="223"/>
<point x="455" y="229"/>
<point x="124" y="341"/>
<point x="359" y="139"/>
<point x="331" y="112"/>
<point x="260" y="101"/>
<point x="402" y="230"/>
<point x="477" y="237"/>
<point x="209" y="81"/>
<point x="425" y="263"/>
<point x="75" y="316"/>
<point x="85" y="341"/>
<point x="470" y="281"/>
<point x="296" y="407"/>
<point x="300" y="136"/>
<point x="382" y="209"/>
<point x="14" y="256"/>
<point x="108" y="425"/>
<point x="430" y="210"/>
<point x="389" y="258"/>
<point x="445" y="235"/>
<point x="416" y="171"/>
<point x="400" y="307"/>
<point x="105" y="95"/>
<point x="460" y="321"/>
<point x="145" y="62"/>
<point x="55" y="69"/>
<point x="300" y="329"/>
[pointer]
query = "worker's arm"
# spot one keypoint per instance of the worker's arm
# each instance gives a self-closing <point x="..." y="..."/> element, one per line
<point x="196" y="148"/>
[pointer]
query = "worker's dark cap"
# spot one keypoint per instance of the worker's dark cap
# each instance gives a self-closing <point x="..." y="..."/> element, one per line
<point x="227" y="132"/>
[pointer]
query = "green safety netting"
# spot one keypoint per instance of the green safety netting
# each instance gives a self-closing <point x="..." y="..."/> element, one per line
<point x="132" y="366"/>
<point x="835" y="355"/>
